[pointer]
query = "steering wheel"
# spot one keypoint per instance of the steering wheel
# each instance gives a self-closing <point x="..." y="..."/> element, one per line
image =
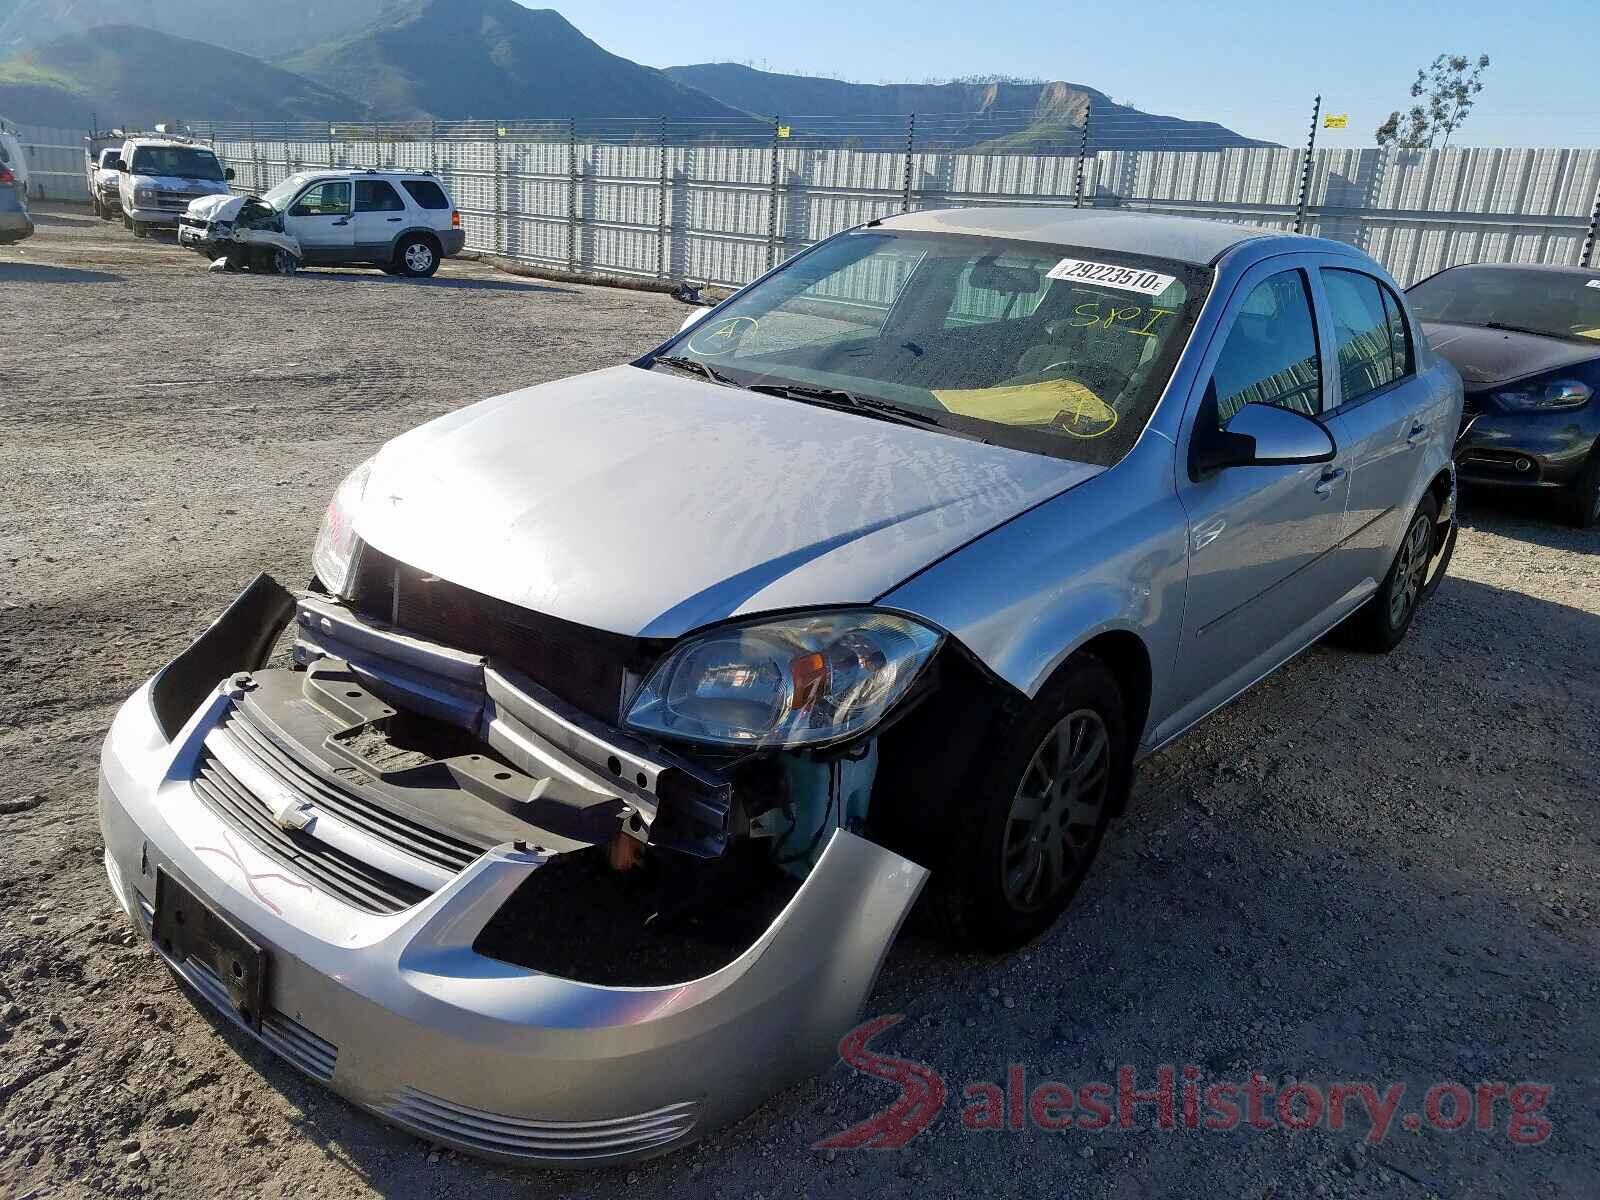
<point x="1103" y="379"/>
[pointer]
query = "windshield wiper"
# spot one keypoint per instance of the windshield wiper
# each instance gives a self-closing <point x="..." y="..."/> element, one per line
<point x="1505" y="328"/>
<point x="694" y="366"/>
<point x="848" y="401"/>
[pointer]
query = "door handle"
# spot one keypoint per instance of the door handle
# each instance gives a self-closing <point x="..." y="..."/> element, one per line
<point x="1417" y="433"/>
<point x="396" y="218"/>
<point x="342" y="221"/>
<point x="1329" y="477"/>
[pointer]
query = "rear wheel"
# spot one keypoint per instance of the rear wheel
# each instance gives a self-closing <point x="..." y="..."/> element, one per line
<point x="1583" y="505"/>
<point x="1022" y="842"/>
<point x="1381" y="623"/>
<point x="417" y="257"/>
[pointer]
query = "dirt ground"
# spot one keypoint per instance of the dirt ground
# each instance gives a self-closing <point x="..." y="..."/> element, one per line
<point x="1375" y="869"/>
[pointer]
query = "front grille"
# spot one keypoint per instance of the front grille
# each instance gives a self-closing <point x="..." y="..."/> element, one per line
<point x="283" y="1035"/>
<point x="495" y="1133"/>
<point x="583" y="666"/>
<point x="447" y="851"/>
<point x="177" y="201"/>
<point x="358" y="884"/>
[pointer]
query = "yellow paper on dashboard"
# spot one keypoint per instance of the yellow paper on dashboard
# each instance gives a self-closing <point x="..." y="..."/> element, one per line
<point x="1589" y="333"/>
<point x="1065" y="403"/>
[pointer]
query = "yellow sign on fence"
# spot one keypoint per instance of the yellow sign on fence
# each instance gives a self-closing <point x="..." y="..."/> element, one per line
<point x="783" y="131"/>
<point x="1336" y="121"/>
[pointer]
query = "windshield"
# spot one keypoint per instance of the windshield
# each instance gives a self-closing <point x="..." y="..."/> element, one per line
<point x="181" y="162"/>
<point x="108" y="159"/>
<point x="280" y="195"/>
<point x="1563" y="304"/>
<point x="1057" y="349"/>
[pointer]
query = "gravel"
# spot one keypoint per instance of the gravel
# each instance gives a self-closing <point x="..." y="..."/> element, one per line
<point x="1370" y="868"/>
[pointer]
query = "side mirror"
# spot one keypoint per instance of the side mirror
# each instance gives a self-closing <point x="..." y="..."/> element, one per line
<point x="120" y="165"/>
<point x="692" y="318"/>
<point x="1260" y="435"/>
<point x="227" y="174"/>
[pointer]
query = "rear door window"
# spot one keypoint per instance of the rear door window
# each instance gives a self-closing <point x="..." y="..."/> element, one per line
<point x="1363" y="332"/>
<point x="374" y="195"/>
<point x="426" y="193"/>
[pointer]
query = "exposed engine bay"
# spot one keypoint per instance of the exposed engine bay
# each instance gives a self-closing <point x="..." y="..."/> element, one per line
<point x="378" y="765"/>
<point x="240" y="233"/>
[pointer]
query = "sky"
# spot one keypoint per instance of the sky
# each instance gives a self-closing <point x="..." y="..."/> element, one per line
<point x="1254" y="67"/>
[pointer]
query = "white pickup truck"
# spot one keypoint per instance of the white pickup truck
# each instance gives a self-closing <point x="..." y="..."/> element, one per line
<point x="103" y="181"/>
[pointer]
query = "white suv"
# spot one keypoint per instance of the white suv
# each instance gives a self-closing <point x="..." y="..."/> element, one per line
<point x="403" y="222"/>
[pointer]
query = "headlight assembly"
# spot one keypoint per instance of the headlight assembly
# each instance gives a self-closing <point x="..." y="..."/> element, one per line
<point x="804" y="680"/>
<point x="1545" y="394"/>
<point x="334" y="554"/>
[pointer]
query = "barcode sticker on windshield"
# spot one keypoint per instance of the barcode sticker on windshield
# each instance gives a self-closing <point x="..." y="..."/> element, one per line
<point x="1125" y="279"/>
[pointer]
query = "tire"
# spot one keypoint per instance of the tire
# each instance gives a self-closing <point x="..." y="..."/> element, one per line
<point x="994" y="888"/>
<point x="140" y="229"/>
<point x="1380" y="624"/>
<point x="127" y="222"/>
<point x="1583" y="504"/>
<point x="417" y="256"/>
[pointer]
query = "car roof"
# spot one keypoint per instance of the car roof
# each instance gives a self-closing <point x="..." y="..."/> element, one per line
<point x="1549" y="268"/>
<point x="358" y="172"/>
<point x="166" y="141"/>
<point x="1186" y="239"/>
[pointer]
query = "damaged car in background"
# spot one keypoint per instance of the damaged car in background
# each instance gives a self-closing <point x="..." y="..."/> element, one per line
<point x="402" y="222"/>
<point x="626" y="717"/>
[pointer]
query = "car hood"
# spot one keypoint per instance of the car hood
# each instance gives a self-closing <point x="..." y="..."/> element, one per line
<point x="1486" y="357"/>
<point x="648" y="504"/>
<point x="216" y="208"/>
<point x="177" y="183"/>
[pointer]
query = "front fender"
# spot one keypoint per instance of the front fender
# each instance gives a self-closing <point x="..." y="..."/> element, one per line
<point x="1095" y="559"/>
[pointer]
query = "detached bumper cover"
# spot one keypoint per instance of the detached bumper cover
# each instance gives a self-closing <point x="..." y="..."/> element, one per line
<point x="396" y="1011"/>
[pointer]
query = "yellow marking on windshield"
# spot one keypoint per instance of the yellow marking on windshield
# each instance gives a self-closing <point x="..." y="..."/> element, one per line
<point x="1064" y="404"/>
<point x="1589" y="333"/>
<point x="1129" y="318"/>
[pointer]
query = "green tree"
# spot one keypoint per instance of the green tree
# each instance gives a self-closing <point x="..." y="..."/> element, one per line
<point x="1446" y="91"/>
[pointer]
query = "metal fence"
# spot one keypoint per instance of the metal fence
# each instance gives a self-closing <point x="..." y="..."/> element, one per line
<point x="53" y="159"/>
<point x="720" y="201"/>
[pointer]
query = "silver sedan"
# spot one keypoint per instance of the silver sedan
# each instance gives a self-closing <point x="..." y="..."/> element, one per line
<point x="627" y="716"/>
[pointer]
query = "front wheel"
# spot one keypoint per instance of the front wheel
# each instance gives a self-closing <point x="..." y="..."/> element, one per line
<point x="1583" y="505"/>
<point x="1021" y="844"/>
<point x="417" y="257"/>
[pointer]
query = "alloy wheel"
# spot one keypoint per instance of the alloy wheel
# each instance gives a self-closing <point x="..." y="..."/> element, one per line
<point x="1056" y="811"/>
<point x="418" y="256"/>
<point x="1410" y="571"/>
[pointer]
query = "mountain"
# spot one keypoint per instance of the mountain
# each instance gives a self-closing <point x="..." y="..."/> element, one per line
<point x="264" y="28"/>
<point x="1034" y="112"/>
<point x="124" y="73"/>
<point x="493" y="58"/>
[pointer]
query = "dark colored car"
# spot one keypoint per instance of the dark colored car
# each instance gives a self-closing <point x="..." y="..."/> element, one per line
<point x="1526" y="340"/>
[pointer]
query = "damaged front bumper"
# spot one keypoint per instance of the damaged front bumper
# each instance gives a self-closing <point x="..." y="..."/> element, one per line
<point x="367" y="907"/>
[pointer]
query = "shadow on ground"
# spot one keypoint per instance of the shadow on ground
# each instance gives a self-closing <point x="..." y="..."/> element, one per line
<point x="14" y="272"/>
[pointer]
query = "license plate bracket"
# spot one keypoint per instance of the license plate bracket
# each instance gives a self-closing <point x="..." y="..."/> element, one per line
<point x="185" y="928"/>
